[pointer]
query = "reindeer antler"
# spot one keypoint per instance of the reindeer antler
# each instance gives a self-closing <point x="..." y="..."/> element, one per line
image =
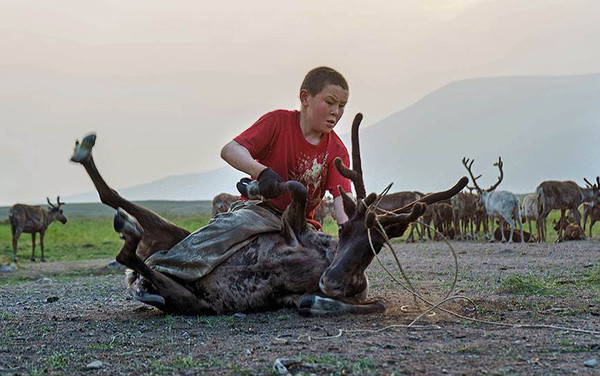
<point x="49" y="203"/>
<point x="356" y="173"/>
<point x="58" y="201"/>
<point x="589" y="185"/>
<point x="468" y="163"/>
<point x="499" y="164"/>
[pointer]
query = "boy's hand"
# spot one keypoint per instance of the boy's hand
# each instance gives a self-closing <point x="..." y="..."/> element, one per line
<point x="268" y="183"/>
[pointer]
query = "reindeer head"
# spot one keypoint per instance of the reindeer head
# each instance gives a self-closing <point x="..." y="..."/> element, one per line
<point x="56" y="212"/>
<point x="345" y="277"/>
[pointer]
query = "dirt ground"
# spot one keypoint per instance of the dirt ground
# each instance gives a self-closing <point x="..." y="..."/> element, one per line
<point x="87" y="324"/>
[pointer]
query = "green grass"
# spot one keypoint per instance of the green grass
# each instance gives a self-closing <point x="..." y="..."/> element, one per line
<point x="528" y="284"/>
<point x="81" y="238"/>
<point x="92" y="236"/>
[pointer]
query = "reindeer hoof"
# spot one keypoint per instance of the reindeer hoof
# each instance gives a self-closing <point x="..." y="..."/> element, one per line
<point x="83" y="150"/>
<point x="140" y="291"/>
<point x="127" y="225"/>
<point x="32" y="259"/>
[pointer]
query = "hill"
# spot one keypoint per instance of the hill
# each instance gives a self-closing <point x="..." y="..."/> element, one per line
<point x="545" y="128"/>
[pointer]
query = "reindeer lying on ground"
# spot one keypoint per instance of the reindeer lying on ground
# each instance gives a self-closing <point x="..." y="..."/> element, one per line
<point x="294" y="267"/>
<point x="33" y="219"/>
<point x="571" y="230"/>
<point x="222" y="202"/>
<point x="502" y="204"/>
<point x="517" y="236"/>
<point x="562" y="195"/>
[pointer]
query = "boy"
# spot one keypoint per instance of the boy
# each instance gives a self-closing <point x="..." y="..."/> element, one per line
<point x="298" y="145"/>
<point x="281" y="145"/>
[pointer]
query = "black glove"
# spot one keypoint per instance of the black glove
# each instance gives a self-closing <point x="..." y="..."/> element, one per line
<point x="268" y="183"/>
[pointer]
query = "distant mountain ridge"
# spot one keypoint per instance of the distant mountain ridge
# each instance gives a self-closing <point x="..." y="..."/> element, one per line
<point x="189" y="187"/>
<point x="543" y="127"/>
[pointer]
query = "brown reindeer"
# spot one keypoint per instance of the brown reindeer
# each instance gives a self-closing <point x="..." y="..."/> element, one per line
<point x="222" y="202"/>
<point x="324" y="210"/>
<point x="498" y="204"/>
<point x="393" y="201"/>
<point x="293" y="266"/>
<point x="571" y="230"/>
<point x="529" y="211"/>
<point x="591" y="210"/>
<point x="517" y="235"/>
<point x="33" y="219"/>
<point x="443" y="219"/>
<point x="464" y="207"/>
<point x="563" y="196"/>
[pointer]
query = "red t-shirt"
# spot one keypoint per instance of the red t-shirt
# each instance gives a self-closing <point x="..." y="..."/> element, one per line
<point x="276" y="141"/>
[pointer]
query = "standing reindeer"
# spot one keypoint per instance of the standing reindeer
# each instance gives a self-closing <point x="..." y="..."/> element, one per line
<point x="32" y="219"/>
<point x="464" y="207"/>
<point x="591" y="210"/>
<point x="393" y="201"/>
<point x="562" y="195"/>
<point x="529" y="211"/>
<point x="501" y="204"/>
<point x="324" y="210"/>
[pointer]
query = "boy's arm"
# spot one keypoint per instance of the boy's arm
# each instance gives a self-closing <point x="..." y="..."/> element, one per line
<point x="338" y="207"/>
<point x="239" y="158"/>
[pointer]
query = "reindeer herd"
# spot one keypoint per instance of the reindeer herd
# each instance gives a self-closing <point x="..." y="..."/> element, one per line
<point x="462" y="217"/>
<point x="467" y="214"/>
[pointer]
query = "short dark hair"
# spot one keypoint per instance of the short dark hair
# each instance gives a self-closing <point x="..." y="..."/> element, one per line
<point x="316" y="80"/>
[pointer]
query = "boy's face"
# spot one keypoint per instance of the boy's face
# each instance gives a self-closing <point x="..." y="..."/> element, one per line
<point x="325" y="109"/>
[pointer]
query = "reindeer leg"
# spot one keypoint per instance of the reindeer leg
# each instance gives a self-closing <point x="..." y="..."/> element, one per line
<point x="165" y="293"/>
<point x="512" y="225"/>
<point x="42" y="245"/>
<point x="160" y="233"/>
<point x="32" y="258"/>
<point x="316" y="305"/>
<point x="16" y="232"/>
<point x="560" y="226"/>
<point x="518" y="219"/>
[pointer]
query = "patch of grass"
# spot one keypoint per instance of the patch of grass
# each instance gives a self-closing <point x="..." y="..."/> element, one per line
<point x="362" y="367"/>
<point x="58" y="360"/>
<point x="528" y="284"/>
<point x="593" y="277"/>
<point x="330" y="226"/>
<point x="158" y="367"/>
<point x="185" y="362"/>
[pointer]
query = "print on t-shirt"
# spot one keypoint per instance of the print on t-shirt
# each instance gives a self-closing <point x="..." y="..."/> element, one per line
<point x="311" y="172"/>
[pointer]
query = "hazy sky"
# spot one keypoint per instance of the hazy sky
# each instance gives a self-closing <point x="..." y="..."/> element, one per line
<point x="166" y="84"/>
